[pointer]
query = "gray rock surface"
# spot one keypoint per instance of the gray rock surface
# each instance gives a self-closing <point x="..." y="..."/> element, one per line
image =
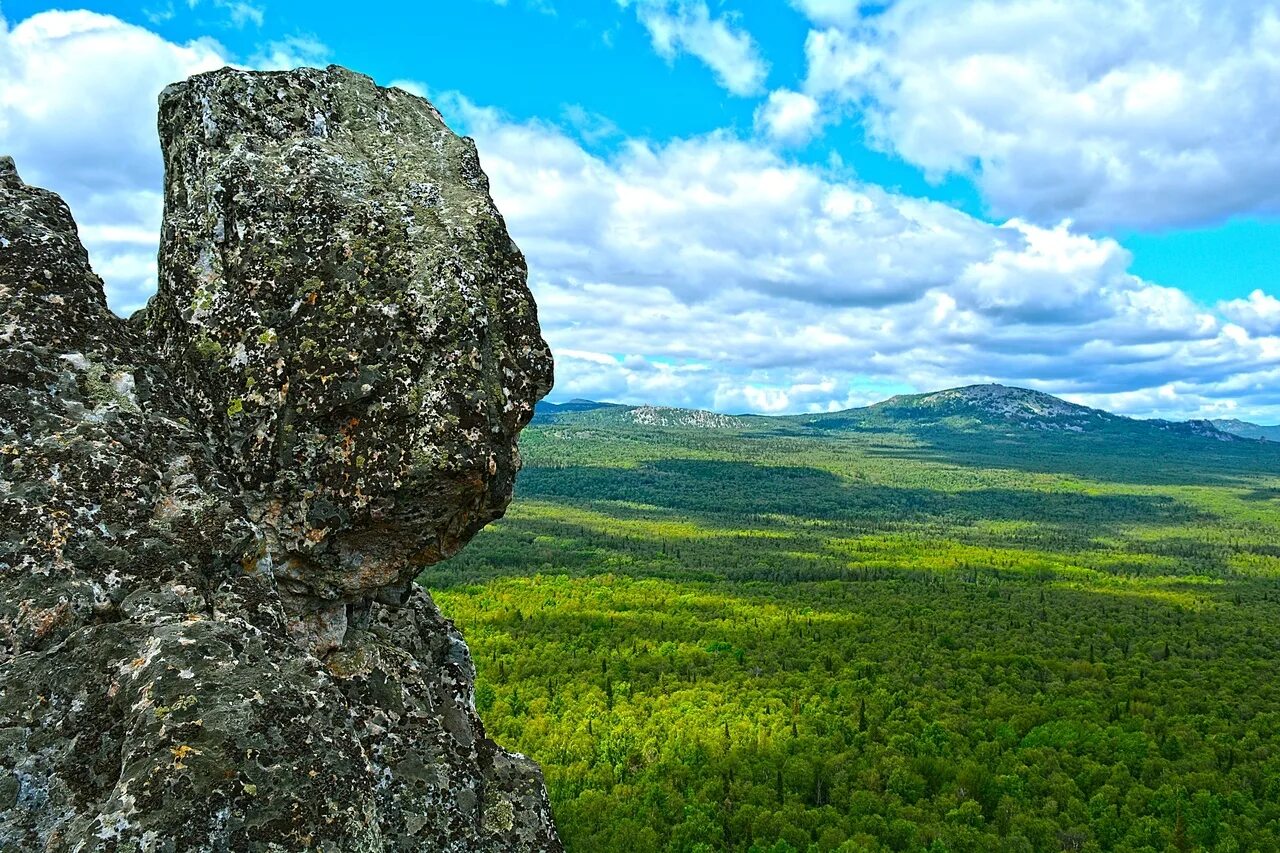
<point x="211" y="514"/>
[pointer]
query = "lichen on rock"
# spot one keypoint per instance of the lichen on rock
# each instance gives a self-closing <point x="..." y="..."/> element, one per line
<point x="211" y="514"/>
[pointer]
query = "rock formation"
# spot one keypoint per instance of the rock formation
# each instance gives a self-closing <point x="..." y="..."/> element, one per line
<point x="211" y="514"/>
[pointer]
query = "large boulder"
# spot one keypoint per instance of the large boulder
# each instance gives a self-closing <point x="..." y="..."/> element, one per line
<point x="211" y="514"/>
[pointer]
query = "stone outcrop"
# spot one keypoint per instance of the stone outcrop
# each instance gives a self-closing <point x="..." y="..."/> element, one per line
<point x="211" y="513"/>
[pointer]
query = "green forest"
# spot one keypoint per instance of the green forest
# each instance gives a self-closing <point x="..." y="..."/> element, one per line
<point x="884" y="633"/>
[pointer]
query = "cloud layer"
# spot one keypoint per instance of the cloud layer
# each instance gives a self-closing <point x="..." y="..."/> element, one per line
<point x="1136" y="114"/>
<point x="711" y="271"/>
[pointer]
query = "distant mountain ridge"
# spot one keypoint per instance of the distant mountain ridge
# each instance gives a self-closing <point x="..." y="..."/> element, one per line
<point x="591" y="412"/>
<point x="970" y="407"/>
<point x="575" y="405"/>
<point x="997" y="402"/>
<point x="1007" y="406"/>
<point x="1245" y="429"/>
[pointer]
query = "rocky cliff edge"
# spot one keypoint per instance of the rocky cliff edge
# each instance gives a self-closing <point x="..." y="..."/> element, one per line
<point x="211" y="513"/>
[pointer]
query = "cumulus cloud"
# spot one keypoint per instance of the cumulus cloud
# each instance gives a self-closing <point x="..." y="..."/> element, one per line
<point x="1142" y="114"/>
<point x="716" y="214"/>
<point x="705" y="272"/>
<point x="1259" y="314"/>
<point x="787" y="116"/>
<point x="1248" y="397"/>
<point x="830" y="12"/>
<point x="712" y="272"/>
<point x="687" y="26"/>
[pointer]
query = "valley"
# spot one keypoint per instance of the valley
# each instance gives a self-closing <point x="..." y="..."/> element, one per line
<point x="968" y="621"/>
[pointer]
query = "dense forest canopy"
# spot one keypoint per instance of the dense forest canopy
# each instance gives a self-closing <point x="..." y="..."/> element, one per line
<point x="890" y="630"/>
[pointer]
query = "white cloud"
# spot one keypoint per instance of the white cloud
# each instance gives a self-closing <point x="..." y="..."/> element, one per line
<point x="737" y="280"/>
<point x="687" y="26"/>
<point x="704" y="272"/>
<point x="716" y="215"/>
<point x="1259" y="314"/>
<point x="1147" y="113"/>
<point x="413" y="87"/>
<point x="830" y="12"/>
<point x="787" y="116"/>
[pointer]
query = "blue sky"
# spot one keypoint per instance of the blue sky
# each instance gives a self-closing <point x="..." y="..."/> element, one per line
<point x="778" y="206"/>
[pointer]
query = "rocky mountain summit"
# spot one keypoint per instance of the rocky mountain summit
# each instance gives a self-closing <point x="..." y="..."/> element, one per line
<point x="589" y="412"/>
<point x="666" y="416"/>
<point x="1006" y="409"/>
<point x="1245" y="429"/>
<point x="1016" y="405"/>
<point x="211" y="514"/>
